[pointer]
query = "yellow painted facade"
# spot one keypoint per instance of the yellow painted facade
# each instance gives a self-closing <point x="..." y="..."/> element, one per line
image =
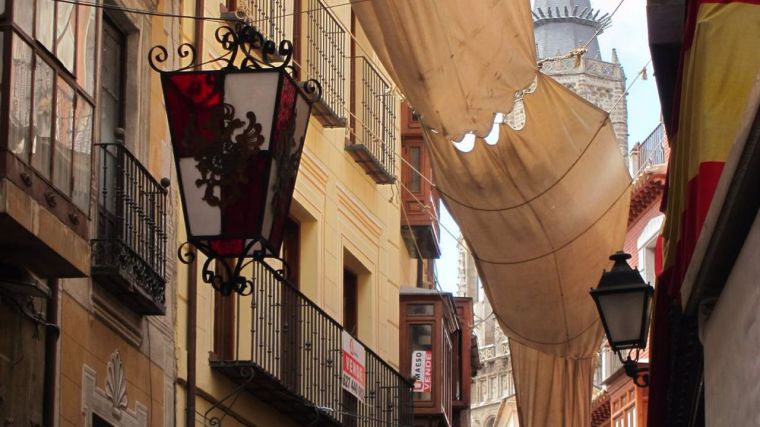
<point x="119" y="364"/>
<point x="346" y="221"/>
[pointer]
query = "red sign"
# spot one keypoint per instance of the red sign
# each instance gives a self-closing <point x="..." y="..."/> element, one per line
<point x="354" y="359"/>
<point x="422" y="371"/>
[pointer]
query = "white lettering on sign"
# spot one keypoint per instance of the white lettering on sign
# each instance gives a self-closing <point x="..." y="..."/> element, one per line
<point x="422" y="371"/>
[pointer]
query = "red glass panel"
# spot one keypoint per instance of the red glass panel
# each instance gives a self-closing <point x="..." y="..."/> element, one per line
<point x="288" y="158"/>
<point x="194" y="109"/>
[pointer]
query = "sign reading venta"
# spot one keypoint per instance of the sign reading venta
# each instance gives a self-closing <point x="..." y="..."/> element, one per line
<point x="422" y="371"/>
<point x="354" y="362"/>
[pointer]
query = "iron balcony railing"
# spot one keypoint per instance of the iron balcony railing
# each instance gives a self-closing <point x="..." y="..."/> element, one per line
<point x="608" y="364"/>
<point x="375" y="122"/>
<point x="294" y="350"/>
<point x="129" y="254"/>
<point x="274" y="18"/>
<point x="652" y="150"/>
<point x="326" y="62"/>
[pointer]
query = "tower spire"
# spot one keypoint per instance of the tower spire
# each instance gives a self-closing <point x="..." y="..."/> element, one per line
<point x="563" y="25"/>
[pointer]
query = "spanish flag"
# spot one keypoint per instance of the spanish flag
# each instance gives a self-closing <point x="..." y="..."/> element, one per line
<point x="719" y="64"/>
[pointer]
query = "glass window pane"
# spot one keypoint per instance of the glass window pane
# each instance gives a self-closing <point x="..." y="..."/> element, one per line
<point x="421" y="337"/>
<point x="21" y="93"/>
<point x="414" y="153"/>
<point x="111" y="82"/>
<point x="43" y="117"/>
<point x="64" y="35"/>
<point x="64" y="126"/>
<point x="86" y="55"/>
<point x="45" y="16"/>
<point x="23" y="15"/>
<point x="420" y="309"/>
<point x="82" y="158"/>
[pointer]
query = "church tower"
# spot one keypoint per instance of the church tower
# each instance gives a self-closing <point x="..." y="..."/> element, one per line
<point x="563" y="25"/>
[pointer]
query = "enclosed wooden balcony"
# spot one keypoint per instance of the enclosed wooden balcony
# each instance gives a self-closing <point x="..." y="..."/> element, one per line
<point x="419" y="224"/>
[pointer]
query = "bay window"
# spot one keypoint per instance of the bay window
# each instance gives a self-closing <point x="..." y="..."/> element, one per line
<point x="51" y="93"/>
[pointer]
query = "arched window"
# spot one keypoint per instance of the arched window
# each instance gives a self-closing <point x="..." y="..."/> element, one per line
<point x="490" y="422"/>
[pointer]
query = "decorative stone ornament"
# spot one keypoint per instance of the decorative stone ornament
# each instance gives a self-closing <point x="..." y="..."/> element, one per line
<point x="116" y="386"/>
<point x="111" y="403"/>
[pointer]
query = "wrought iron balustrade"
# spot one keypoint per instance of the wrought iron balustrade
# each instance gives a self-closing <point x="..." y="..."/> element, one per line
<point x="652" y="150"/>
<point x="325" y="61"/>
<point x="373" y="144"/>
<point x="294" y="350"/>
<point x="129" y="253"/>
<point x="609" y="363"/>
<point x="274" y="18"/>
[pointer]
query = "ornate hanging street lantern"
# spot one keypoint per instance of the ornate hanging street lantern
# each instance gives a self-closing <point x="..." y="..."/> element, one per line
<point x="623" y="300"/>
<point x="237" y="134"/>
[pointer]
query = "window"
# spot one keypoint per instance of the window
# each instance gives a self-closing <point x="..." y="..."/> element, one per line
<point x="99" y="422"/>
<point x="420" y="309"/>
<point x="350" y="325"/>
<point x="51" y="102"/>
<point x="421" y="339"/>
<point x="291" y="249"/>
<point x="224" y="318"/>
<point x="350" y="302"/>
<point x="111" y="78"/>
<point x="624" y="410"/>
<point x="414" y="159"/>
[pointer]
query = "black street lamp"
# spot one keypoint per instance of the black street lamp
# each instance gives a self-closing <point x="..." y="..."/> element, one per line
<point x="237" y="135"/>
<point x="623" y="300"/>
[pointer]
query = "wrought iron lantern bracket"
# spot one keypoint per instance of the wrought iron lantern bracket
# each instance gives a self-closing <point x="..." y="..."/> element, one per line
<point x="245" y="49"/>
<point x="225" y="274"/>
<point x="640" y="376"/>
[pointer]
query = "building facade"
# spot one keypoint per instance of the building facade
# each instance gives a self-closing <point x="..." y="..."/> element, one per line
<point x="494" y="386"/>
<point x="101" y="323"/>
<point x="86" y="217"/>
<point x="273" y="358"/>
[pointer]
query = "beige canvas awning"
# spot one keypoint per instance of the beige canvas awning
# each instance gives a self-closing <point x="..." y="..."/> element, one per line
<point x="541" y="196"/>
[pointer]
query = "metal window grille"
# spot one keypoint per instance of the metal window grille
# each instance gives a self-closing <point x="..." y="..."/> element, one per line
<point x="325" y="57"/>
<point x="376" y="116"/>
<point x="274" y="18"/>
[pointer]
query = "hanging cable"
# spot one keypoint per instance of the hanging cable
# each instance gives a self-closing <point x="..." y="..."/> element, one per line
<point x="195" y="17"/>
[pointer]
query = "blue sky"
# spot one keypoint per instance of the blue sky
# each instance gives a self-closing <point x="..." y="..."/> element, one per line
<point x="628" y="35"/>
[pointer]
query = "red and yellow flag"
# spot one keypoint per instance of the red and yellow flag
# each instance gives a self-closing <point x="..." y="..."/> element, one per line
<point x="719" y="64"/>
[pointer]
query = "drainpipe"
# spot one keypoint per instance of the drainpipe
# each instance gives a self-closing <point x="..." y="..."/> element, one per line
<point x="49" y="396"/>
<point x="192" y="315"/>
<point x="192" y="276"/>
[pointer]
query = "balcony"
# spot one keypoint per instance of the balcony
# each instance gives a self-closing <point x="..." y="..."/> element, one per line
<point x="293" y="350"/>
<point x="325" y="62"/>
<point x="419" y="224"/>
<point x="373" y="140"/>
<point x="129" y="254"/>
<point x="651" y="152"/>
<point x="608" y="364"/>
<point x="274" y="18"/>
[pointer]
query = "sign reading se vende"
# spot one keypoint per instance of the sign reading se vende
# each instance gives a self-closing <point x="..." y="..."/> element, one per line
<point x="422" y="371"/>
<point x="354" y="362"/>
